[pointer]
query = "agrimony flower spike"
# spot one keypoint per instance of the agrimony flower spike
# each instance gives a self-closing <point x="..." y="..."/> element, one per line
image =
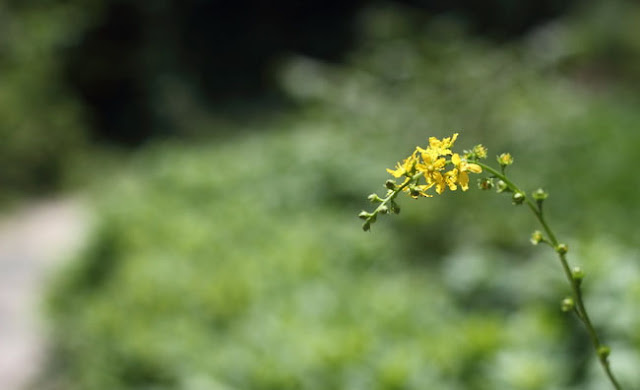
<point x="435" y="166"/>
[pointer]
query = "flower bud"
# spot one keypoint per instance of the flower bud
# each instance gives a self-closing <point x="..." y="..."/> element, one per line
<point x="364" y="215"/>
<point x="505" y="159"/>
<point x="374" y="198"/>
<point x="477" y="152"/>
<point x="366" y="226"/>
<point x="501" y="186"/>
<point x="604" y="352"/>
<point x="480" y="151"/>
<point x="537" y="237"/>
<point x="540" y="195"/>
<point x="486" y="183"/>
<point x="390" y="184"/>
<point x="517" y="198"/>
<point x="383" y="209"/>
<point x="577" y="274"/>
<point x="567" y="304"/>
<point x="562" y="249"/>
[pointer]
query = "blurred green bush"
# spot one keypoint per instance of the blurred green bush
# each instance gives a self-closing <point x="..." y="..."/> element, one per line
<point x="240" y="264"/>
<point x="42" y="128"/>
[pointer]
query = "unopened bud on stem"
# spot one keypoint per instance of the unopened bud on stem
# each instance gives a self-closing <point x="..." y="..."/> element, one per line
<point x="604" y="352"/>
<point x="517" y="198"/>
<point x="505" y="159"/>
<point x="577" y="274"/>
<point x="374" y="198"/>
<point x="562" y="249"/>
<point x="540" y="195"/>
<point x="485" y="183"/>
<point x="567" y="304"/>
<point x="501" y="186"/>
<point x="537" y="237"/>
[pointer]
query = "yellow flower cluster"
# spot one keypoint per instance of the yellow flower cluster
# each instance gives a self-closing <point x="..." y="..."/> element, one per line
<point x="431" y="163"/>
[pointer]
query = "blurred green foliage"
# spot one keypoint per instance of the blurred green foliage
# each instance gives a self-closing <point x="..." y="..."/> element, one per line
<point x="42" y="126"/>
<point x="240" y="263"/>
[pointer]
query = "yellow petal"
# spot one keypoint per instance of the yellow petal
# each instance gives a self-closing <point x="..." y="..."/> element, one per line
<point x="475" y="168"/>
<point x="440" y="182"/>
<point x="463" y="179"/>
<point x="451" y="178"/>
<point x="394" y="173"/>
<point x="448" y="142"/>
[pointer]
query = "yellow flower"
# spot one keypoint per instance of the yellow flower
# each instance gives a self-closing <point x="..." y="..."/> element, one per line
<point x="459" y="173"/>
<point x="438" y="148"/>
<point x="451" y="178"/>
<point x="430" y="167"/>
<point x="407" y="168"/>
<point x="442" y="147"/>
<point x="431" y="162"/>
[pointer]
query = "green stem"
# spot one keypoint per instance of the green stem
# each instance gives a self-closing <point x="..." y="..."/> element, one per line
<point x="581" y="310"/>
<point x="389" y="198"/>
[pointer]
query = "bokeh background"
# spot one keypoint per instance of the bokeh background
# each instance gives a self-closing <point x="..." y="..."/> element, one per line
<point x="224" y="150"/>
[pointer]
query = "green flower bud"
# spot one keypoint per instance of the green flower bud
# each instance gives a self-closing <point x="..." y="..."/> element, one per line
<point x="537" y="237"/>
<point x="364" y="215"/>
<point x="567" y="304"/>
<point x="394" y="207"/>
<point x="390" y="185"/>
<point x="517" y="198"/>
<point x="604" y="352"/>
<point x="486" y="183"/>
<point x="501" y="186"/>
<point x="369" y="218"/>
<point x="562" y="249"/>
<point x="577" y="274"/>
<point x="505" y="159"/>
<point x="540" y="195"/>
<point x="383" y="209"/>
<point x="374" y="198"/>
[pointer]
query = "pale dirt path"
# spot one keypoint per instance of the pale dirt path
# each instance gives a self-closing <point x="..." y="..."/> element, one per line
<point x="33" y="242"/>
